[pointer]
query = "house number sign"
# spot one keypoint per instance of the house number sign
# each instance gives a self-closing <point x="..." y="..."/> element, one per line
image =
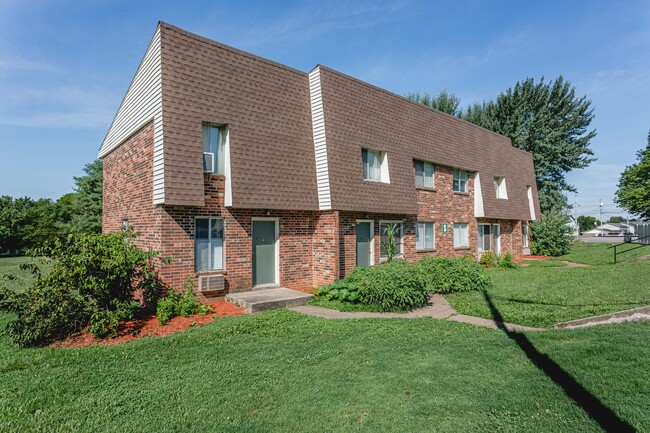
<point x="444" y="228"/>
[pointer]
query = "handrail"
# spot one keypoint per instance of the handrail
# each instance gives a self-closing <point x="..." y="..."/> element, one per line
<point x="640" y="245"/>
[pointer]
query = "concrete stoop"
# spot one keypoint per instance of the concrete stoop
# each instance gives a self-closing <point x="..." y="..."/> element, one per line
<point x="266" y="299"/>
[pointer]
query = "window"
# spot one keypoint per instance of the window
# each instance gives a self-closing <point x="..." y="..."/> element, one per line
<point x="484" y="237"/>
<point x="375" y="165"/>
<point x="500" y="187"/>
<point x="524" y="235"/>
<point x="397" y="239"/>
<point x="460" y="180"/>
<point x="489" y="237"/>
<point x="424" y="174"/>
<point x="461" y="239"/>
<point x="208" y="243"/>
<point x="214" y="139"/>
<point x="424" y="236"/>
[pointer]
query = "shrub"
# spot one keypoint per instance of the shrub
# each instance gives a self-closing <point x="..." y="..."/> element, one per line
<point x="340" y="290"/>
<point x="488" y="260"/>
<point x="182" y="303"/>
<point x="506" y="262"/>
<point x="92" y="281"/>
<point x="446" y="275"/>
<point x="550" y="236"/>
<point x="392" y="286"/>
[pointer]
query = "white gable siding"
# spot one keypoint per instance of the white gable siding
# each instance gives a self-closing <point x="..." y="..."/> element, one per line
<point x="320" y="143"/>
<point x="142" y="103"/>
<point x="478" y="197"/>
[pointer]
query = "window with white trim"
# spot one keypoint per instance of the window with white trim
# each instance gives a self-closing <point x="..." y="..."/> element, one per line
<point x="397" y="239"/>
<point x="424" y="236"/>
<point x="209" y="235"/>
<point x="214" y="142"/>
<point x="460" y="180"/>
<point x="461" y="237"/>
<point x="424" y="174"/>
<point x="500" y="187"/>
<point x="375" y="165"/>
<point x="524" y="235"/>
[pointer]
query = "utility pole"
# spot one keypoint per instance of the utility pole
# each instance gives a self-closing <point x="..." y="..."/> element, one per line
<point x="575" y="212"/>
<point x="601" y="211"/>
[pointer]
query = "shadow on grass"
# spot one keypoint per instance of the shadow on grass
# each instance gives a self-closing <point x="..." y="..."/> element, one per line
<point x="600" y="413"/>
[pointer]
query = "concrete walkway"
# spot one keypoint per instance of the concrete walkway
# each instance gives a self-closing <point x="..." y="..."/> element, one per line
<point x="628" y="316"/>
<point x="438" y="308"/>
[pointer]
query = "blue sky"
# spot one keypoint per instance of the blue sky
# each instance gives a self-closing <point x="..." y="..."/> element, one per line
<point x="65" y="65"/>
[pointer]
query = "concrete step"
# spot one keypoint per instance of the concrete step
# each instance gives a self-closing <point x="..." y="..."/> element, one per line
<point x="259" y="300"/>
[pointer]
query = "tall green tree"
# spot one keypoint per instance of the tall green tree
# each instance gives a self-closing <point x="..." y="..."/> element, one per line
<point x="586" y="223"/>
<point x="548" y="120"/>
<point x="444" y="101"/>
<point x="633" y="192"/>
<point x="87" y="201"/>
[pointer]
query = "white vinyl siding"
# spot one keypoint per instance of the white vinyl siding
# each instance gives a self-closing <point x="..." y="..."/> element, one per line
<point x="320" y="141"/>
<point x="460" y="180"/>
<point x="424" y="236"/>
<point x="141" y="104"/>
<point x="424" y="174"/>
<point x="375" y="165"/>
<point x="214" y="139"/>
<point x="461" y="238"/>
<point x="397" y="240"/>
<point x="209" y="237"/>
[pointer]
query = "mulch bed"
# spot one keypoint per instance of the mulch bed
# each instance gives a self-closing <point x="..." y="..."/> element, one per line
<point x="536" y="257"/>
<point x="147" y="326"/>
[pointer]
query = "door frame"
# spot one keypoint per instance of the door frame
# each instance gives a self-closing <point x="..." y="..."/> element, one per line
<point x="497" y="242"/>
<point x="276" y="244"/>
<point x="372" y="240"/>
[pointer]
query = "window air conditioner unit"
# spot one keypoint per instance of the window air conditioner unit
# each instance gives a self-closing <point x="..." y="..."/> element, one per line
<point x="211" y="283"/>
<point x="208" y="162"/>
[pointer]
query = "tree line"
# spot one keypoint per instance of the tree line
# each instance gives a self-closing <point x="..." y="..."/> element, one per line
<point x="26" y="222"/>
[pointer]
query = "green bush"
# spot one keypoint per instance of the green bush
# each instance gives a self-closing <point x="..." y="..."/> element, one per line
<point x="488" y="260"/>
<point x="550" y="236"/>
<point x="92" y="282"/>
<point x="182" y="303"/>
<point x="491" y="260"/>
<point x="340" y="290"/>
<point x="447" y="275"/>
<point x="392" y="286"/>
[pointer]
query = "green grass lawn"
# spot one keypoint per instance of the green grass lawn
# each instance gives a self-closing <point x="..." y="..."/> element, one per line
<point x="549" y="292"/>
<point x="282" y="371"/>
<point x="596" y="254"/>
<point x="11" y="266"/>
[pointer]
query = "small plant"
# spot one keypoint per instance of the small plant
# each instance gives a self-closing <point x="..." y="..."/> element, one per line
<point x="340" y="290"/>
<point x="389" y="246"/>
<point x="488" y="259"/>
<point x="182" y="303"/>
<point x="506" y="262"/>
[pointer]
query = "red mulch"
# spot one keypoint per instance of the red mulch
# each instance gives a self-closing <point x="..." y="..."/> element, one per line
<point x="147" y="326"/>
<point x="536" y="257"/>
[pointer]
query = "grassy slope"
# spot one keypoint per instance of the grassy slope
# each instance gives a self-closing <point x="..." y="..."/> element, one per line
<point x="545" y="294"/>
<point x="282" y="371"/>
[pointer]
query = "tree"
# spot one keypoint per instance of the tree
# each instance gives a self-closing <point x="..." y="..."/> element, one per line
<point x="550" y="235"/>
<point x="616" y="220"/>
<point x="88" y="200"/>
<point x="633" y="192"/>
<point x="547" y="120"/>
<point x="586" y="223"/>
<point x="445" y="101"/>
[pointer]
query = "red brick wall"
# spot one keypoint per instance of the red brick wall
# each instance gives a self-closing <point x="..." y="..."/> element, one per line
<point x="127" y="189"/>
<point x="325" y="249"/>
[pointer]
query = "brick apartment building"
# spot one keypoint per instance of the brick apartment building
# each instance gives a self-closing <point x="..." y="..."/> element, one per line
<point x="251" y="173"/>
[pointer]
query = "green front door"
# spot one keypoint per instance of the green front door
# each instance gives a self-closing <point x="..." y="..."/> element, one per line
<point x="364" y="243"/>
<point x="264" y="237"/>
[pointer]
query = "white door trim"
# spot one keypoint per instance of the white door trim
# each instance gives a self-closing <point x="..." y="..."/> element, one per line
<point x="277" y="244"/>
